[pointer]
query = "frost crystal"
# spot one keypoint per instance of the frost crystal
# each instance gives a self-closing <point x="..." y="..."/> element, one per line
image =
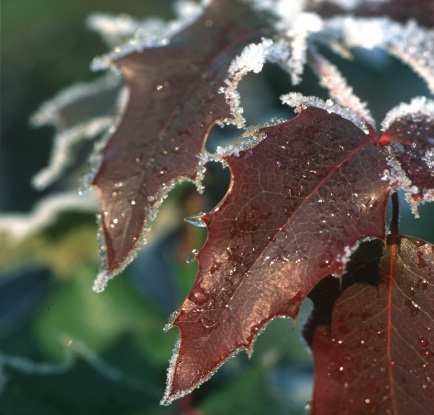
<point x="50" y="113"/>
<point x="305" y="24"/>
<point x="252" y="59"/>
<point x="428" y="158"/>
<point x="283" y="10"/>
<point x="411" y="43"/>
<point x="117" y="29"/>
<point x="20" y="226"/>
<point x="103" y="278"/>
<point x="72" y="129"/>
<point x="332" y="79"/>
<point x="152" y="33"/>
<point x="64" y="142"/>
<point x="350" y="4"/>
<point x="417" y="107"/>
<point x="397" y="177"/>
<point x="299" y="102"/>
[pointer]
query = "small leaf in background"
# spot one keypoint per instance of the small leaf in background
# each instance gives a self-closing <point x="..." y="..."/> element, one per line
<point x="401" y="10"/>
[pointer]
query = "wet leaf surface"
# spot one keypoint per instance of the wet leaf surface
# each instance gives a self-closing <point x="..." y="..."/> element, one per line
<point x="297" y="203"/>
<point x="373" y="340"/>
<point x="174" y="101"/>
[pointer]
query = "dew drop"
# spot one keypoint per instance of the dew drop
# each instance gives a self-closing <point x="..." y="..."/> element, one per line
<point x="208" y="323"/>
<point x="192" y="257"/>
<point x="423" y="341"/>
<point x="199" y="296"/>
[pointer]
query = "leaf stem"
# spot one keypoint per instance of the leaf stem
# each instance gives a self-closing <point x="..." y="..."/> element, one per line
<point x="394" y="224"/>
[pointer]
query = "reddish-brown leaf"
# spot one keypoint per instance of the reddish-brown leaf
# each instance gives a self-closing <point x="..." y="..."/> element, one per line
<point x="373" y="343"/>
<point x="411" y="138"/>
<point x="401" y="10"/>
<point x="297" y="203"/>
<point x="174" y="101"/>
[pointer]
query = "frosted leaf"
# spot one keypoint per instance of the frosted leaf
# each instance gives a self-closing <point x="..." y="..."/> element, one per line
<point x="300" y="102"/>
<point x="19" y="226"/>
<point x="332" y="79"/>
<point x="251" y="139"/>
<point x="398" y="178"/>
<point x="74" y="349"/>
<point x="283" y="10"/>
<point x="417" y="107"/>
<point x="57" y="111"/>
<point x="62" y="153"/>
<point x="169" y="397"/>
<point x="72" y="129"/>
<point x="252" y="59"/>
<point x="298" y="35"/>
<point x="409" y="128"/>
<point x="348" y="252"/>
<point x="116" y="29"/>
<point x="428" y="158"/>
<point x="409" y="42"/>
<point x="350" y="4"/>
<point x="153" y="33"/>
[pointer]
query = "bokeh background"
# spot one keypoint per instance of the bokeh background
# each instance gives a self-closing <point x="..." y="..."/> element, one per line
<point x="66" y="350"/>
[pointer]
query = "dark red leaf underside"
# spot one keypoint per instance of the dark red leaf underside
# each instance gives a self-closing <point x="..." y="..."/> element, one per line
<point x="173" y="104"/>
<point x="412" y="145"/>
<point x="310" y="189"/>
<point x="402" y="10"/>
<point x="376" y="355"/>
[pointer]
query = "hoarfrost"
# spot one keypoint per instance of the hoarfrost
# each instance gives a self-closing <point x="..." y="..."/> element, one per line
<point x="332" y="79"/>
<point x="251" y="140"/>
<point x="298" y="35"/>
<point x="74" y="349"/>
<point x="252" y="59"/>
<point x="283" y="10"/>
<point x="419" y="106"/>
<point x="350" y="4"/>
<point x="50" y="112"/>
<point x="64" y="142"/>
<point x="117" y="29"/>
<point x="300" y="102"/>
<point x="428" y="158"/>
<point x="398" y="178"/>
<point x="20" y="226"/>
<point x="103" y="278"/>
<point x="69" y="134"/>
<point x="349" y="250"/>
<point x="409" y="42"/>
<point x="153" y="33"/>
<point x="168" y="398"/>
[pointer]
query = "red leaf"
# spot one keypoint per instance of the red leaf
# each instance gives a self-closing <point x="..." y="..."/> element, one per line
<point x="298" y="202"/>
<point x="174" y="102"/>
<point x="410" y="132"/>
<point x="376" y="355"/>
<point x="401" y="10"/>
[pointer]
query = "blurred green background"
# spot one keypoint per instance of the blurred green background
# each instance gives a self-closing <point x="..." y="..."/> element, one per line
<point x="66" y="350"/>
